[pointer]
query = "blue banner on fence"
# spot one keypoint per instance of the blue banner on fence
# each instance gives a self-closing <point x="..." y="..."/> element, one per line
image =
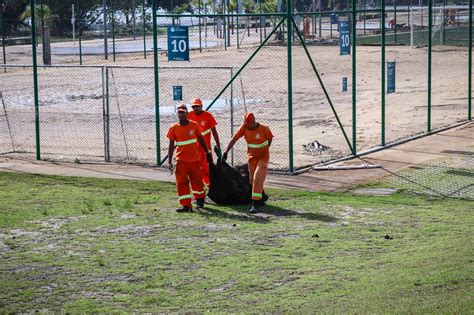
<point x="344" y="84"/>
<point x="344" y="38"/>
<point x="177" y="93"/>
<point x="390" y="77"/>
<point x="178" y="43"/>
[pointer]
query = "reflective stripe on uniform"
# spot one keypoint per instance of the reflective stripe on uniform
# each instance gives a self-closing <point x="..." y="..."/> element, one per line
<point x="205" y="132"/>
<point x="185" y="197"/>
<point x="180" y="143"/>
<point x="198" y="192"/>
<point x="257" y="146"/>
<point x="257" y="195"/>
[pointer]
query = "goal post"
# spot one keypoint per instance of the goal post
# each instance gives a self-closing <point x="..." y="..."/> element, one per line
<point x="450" y="25"/>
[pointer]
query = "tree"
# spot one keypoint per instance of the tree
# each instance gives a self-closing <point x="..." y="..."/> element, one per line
<point x="12" y="10"/>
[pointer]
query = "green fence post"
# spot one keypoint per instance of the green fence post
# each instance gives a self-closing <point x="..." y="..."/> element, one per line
<point x="289" y="27"/>
<point x="199" y="21"/>
<point x="79" y="31"/>
<point x="430" y="30"/>
<point x="144" y="28"/>
<point x="113" y="27"/>
<point x="157" y="91"/>
<point x="354" y="83"/>
<point x="35" y="79"/>
<point x="42" y="30"/>
<point x="469" y="105"/>
<point x="394" y="18"/>
<point x="3" y="33"/>
<point x="383" y="73"/>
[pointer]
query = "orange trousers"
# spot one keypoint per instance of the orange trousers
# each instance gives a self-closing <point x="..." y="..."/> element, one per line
<point x="258" y="172"/>
<point x="205" y="169"/>
<point x="189" y="172"/>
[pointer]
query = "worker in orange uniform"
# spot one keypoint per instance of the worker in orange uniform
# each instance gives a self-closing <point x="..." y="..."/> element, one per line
<point x="208" y="125"/>
<point x="185" y="136"/>
<point x="259" y="138"/>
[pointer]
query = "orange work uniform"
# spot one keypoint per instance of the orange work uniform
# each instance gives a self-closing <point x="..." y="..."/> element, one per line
<point x="258" y="154"/>
<point x="188" y="161"/>
<point x="207" y="122"/>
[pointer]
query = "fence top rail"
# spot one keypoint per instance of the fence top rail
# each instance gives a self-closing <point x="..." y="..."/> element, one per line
<point x="168" y="67"/>
<point x="112" y="67"/>
<point x="49" y="66"/>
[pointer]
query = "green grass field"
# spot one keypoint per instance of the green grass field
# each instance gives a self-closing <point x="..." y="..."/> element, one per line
<point x="95" y="245"/>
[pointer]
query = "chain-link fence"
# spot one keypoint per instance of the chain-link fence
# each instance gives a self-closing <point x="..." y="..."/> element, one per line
<point x="105" y="92"/>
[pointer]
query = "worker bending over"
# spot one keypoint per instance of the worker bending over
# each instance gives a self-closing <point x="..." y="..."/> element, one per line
<point x="258" y="138"/>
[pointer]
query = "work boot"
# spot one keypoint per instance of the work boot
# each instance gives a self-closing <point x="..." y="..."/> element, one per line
<point x="253" y="206"/>
<point x="200" y="203"/>
<point x="185" y="209"/>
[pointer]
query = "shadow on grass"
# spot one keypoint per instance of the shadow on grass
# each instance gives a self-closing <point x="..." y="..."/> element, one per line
<point x="264" y="215"/>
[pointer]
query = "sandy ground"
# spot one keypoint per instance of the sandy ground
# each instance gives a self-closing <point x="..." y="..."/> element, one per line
<point x="73" y="109"/>
<point x="454" y="142"/>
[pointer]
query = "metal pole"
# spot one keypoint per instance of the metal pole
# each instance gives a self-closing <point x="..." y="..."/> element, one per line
<point x="2" y="25"/>
<point x="144" y="28"/>
<point x="134" y="20"/>
<point x="383" y="74"/>
<point x="430" y="30"/>
<point x="469" y="106"/>
<point x="320" y="18"/>
<point x="412" y="37"/>
<point x="105" y="112"/>
<point x="395" y="20"/>
<point x="113" y="28"/>
<point x="354" y="77"/>
<point x="79" y="31"/>
<point x="73" y="23"/>
<point x="200" y="40"/>
<point x="106" y="46"/>
<point x="364" y="17"/>
<point x="289" y="26"/>
<point x="260" y="19"/>
<point x="157" y="91"/>
<point x="237" y="20"/>
<point x="42" y="30"/>
<point x="228" y="25"/>
<point x="224" y="24"/>
<point x="443" y="23"/>
<point x="35" y="79"/>
<point x="232" y="113"/>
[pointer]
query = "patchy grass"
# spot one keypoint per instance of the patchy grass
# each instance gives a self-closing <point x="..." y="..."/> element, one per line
<point x="96" y="245"/>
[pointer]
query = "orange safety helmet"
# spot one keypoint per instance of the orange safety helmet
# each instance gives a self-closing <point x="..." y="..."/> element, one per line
<point x="196" y="102"/>
<point x="248" y="118"/>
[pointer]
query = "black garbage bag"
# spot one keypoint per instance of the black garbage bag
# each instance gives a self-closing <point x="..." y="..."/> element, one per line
<point x="228" y="187"/>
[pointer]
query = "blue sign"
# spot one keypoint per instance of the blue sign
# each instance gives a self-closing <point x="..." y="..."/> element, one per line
<point x="390" y="77"/>
<point x="177" y="93"/>
<point x="344" y="38"/>
<point x="334" y="18"/>
<point x="344" y="84"/>
<point x="178" y="43"/>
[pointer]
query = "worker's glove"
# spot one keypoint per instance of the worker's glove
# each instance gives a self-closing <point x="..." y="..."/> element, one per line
<point x="224" y="157"/>
<point x="171" y="168"/>
<point x="209" y="157"/>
